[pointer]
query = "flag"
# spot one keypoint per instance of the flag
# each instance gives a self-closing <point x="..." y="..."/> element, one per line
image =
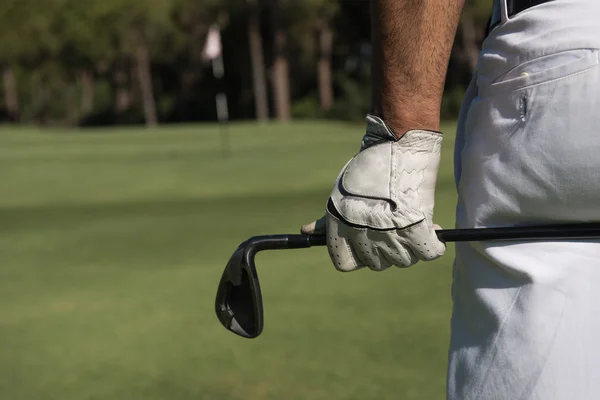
<point x="213" y="51"/>
<point x="212" y="46"/>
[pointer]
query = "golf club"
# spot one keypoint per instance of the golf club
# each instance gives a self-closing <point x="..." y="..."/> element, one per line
<point x="239" y="305"/>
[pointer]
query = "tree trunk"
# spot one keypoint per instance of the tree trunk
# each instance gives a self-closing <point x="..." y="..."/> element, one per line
<point x="281" y="79"/>
<point x="72" y="104"/>
<point x="258" y="64"/>
<point x="325" y="38"/>
<point x="469" y="39"/>
<point x="144" y="76"/>
<point x="122" y="92"/>
<point x="86" y="80"/>
<point x="11" y="97"/>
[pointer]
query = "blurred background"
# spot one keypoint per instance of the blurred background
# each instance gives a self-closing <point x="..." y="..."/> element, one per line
<point x="74" y="63"/>
<point x="140" y="143"/>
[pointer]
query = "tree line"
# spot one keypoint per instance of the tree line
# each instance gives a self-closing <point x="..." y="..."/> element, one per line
<point x="102" y="62"/>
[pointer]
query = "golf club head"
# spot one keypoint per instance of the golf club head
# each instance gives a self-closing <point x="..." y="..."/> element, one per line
<point x="238" y="304"/>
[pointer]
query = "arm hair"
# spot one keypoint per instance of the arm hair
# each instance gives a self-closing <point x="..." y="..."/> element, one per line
<point x="412" y="41"/>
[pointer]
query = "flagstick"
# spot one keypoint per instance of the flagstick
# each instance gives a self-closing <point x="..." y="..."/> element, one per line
<point x="213" y="50"/>
<point x="224" y="129"/>
<point x="221" y="102"/>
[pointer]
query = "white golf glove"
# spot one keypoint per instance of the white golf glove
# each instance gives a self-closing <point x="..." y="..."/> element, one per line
<point x="380" y="211"/>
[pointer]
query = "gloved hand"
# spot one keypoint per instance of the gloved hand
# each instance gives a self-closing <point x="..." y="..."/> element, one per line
<point x="380" y="211"/>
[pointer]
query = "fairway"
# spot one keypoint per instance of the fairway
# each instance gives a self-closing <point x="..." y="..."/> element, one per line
<point x="112" y="243"/>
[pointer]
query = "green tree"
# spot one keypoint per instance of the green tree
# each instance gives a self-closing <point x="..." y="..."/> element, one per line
<point x="117" y="38"/>
<point x="26" y="40"/>
<point x="142" y="24"/>
<point x="312" y="28"/>
<point x="86" y="48"/>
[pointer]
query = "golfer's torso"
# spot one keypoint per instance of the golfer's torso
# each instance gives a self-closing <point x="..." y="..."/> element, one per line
<point x="526" y="316"/>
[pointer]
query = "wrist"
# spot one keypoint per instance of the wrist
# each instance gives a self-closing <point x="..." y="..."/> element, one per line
<point x="401" y="117"/>
<point x="379" y="131"/>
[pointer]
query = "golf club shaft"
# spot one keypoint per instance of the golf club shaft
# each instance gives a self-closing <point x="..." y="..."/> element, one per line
<point x="542" y="232"/>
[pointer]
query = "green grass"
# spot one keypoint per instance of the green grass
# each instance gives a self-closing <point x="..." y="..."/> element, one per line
<point x="112" y="244"/>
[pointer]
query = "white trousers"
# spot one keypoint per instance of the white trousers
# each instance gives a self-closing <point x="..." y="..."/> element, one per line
<point x="526" y="315"/>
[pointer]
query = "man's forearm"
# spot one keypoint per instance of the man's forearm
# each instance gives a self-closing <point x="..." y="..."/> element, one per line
<point x="412" y="40"/>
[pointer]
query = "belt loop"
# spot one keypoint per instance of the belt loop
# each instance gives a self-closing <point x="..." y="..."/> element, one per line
<point x="503" y="8"/>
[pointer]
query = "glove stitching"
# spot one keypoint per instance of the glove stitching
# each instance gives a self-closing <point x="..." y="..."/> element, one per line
<point x="393" y="173"/>
<point x="407" y="214"/>
<point x="421" y="184"/>
<point x="435" y="151"/>
<point x="360" y="218"/>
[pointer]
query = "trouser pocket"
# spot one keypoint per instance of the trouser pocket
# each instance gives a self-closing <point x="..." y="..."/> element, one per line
<point x="531" y="148"/>
<point x="537" y="71"/>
